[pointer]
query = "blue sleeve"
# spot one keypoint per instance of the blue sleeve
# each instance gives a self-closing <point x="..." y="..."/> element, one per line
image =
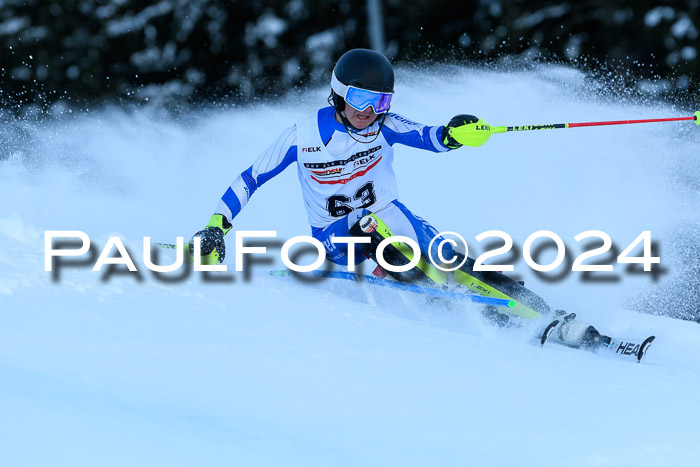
<point x="270" y="163"/>
<point x="398" y="129"/>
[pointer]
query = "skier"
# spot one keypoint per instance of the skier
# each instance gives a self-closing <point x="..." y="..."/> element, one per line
<point x="344" y="155"/>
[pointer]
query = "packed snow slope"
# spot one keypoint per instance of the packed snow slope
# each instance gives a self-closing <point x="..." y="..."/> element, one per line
<point x="129" y="369"/>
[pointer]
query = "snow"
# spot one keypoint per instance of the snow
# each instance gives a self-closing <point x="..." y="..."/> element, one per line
<point x="533" y="19"/>
<point x="134" y="22"/>
<point x="689" y="53"/>
<point x="125" y="369"/>
<point x="684" y="27"/>
<point x="267" y="29"/>
<point x="658" y="14"/>
<point x="13" y="26"/>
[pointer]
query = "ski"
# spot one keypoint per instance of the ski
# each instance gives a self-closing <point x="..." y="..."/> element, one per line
<point x="630" y="349"/>
<point x="417" y="289"/>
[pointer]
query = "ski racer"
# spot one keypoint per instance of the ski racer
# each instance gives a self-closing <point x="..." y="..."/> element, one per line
<point x="344" y="155"/>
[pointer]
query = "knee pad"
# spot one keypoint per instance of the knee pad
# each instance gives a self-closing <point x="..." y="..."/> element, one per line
<point x="396" y="253"/>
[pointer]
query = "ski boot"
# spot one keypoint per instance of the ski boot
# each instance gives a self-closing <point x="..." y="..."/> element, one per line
<point x="572" y="332"/>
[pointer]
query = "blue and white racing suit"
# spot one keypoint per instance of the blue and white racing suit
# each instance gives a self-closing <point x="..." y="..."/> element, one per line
<point x="342" y="176"/>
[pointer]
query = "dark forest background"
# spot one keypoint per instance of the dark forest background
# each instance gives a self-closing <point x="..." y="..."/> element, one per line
<point x="78" y="52"/>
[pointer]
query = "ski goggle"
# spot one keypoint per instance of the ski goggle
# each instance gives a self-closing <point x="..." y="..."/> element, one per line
<point x="359" y="99"/>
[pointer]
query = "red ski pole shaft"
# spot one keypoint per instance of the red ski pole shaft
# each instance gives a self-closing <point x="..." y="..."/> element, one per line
<point x="626" y="122"/>
<point x="554" y="126"/>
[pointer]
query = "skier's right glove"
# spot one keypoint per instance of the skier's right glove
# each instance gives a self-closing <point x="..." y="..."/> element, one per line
<point x="213" y="246"/>
<point x="456" y="122"/>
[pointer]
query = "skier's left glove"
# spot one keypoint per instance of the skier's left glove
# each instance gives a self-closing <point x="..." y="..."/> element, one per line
<point x="212" y="240"/>
<point x="456" y="122"/>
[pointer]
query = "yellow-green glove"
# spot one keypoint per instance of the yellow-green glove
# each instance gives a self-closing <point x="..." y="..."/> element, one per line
<point x="213" y="246"/>
<point x="456" y="122"/>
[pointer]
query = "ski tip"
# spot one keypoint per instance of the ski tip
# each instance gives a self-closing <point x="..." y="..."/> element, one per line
<point x="644" y="347"/>
<point x="547" y="331"/>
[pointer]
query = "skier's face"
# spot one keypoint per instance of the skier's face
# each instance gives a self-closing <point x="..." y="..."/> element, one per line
<point x="360" y="120"/>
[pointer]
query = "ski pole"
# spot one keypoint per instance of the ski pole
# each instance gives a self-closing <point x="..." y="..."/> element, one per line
<point x="476" y="134"/>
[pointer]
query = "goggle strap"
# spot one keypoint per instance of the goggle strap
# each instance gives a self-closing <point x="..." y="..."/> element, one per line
<point x="338" y="87"/>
